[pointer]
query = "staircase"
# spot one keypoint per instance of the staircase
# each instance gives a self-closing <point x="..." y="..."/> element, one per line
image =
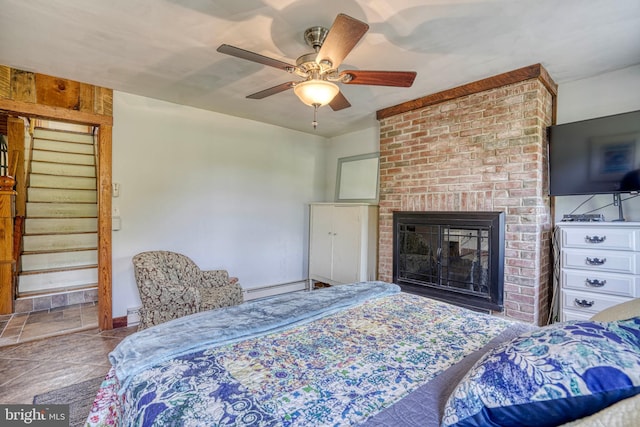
<point x="60" y="240"/>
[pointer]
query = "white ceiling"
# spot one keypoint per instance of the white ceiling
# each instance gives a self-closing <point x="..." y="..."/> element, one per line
<point x="166" y="49"/>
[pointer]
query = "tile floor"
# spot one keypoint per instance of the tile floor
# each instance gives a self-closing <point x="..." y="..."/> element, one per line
<point x="49" y="349"/>
<point x="37" y="366"/>
<point x="23" y="327"/>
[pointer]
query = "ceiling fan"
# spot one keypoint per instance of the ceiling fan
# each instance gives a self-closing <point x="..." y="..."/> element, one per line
<point x="319" y="69"/>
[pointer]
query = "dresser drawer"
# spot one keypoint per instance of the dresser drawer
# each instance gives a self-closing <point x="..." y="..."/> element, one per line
<point x="625" y="285"/>
<point x="598" y="260"/>
<point x="588" y="302"/>
<point x="574" y="315"/>
<point x="601" y="238"/>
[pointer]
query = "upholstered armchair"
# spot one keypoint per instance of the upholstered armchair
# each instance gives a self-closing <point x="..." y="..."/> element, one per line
<point x="171" y="285"/>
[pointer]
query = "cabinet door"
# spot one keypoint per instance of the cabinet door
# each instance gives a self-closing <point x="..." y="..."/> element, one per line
<point x="347" y="234"/>
<point x="320" y="241"/>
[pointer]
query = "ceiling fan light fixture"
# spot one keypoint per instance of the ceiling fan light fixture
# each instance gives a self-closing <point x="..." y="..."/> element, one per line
<point x="316" y="92"/>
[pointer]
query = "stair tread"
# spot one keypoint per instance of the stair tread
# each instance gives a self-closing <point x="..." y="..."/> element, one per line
<point x="62" y="233"/>
<point x="79" y="234"/>
<point x="59" y="251"/>
<point x="42" y="133"/>
<point x="62" y="218"/>
<point x="63" y="203"/>
<point x="65" y="176"/>
<point x="66" y="289"/>
<point x="40" y="220"/>
<point x="63" y="170"/>
<point x="62" y="146"/>
<point x="72" y="153"/>
<point x="58" y="269"/>
<point x="49" y="149"/>
<point x="49" y="187"/>
<point x="63" y="290"/>
<point x="67" y="163"/>
<point x="58" y="179"/>
<point x="69" y="154"/>
<point x="40" y="194"/>
<point x="62" y="188"/>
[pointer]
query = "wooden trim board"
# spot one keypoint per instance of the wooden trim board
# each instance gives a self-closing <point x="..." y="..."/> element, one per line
<point x="536" y="71"/>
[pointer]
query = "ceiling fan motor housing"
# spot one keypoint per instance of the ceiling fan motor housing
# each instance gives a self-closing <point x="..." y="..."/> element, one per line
<point x="315" y="36"/>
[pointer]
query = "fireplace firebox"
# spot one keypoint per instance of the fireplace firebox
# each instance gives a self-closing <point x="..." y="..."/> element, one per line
<point x="457" y="257"/>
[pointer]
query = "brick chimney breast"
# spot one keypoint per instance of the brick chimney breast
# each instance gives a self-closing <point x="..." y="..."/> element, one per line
<point x="478" y="147"/>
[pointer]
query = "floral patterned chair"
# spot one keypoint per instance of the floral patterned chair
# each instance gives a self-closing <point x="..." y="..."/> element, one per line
<point x="171" y="285"/>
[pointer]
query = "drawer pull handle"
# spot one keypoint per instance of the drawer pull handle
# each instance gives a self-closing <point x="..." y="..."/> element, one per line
<point x="596" y="283"/>
<point x="584" y="303"/>
<point x="595" y="239"/>
<point x="595" y="261"/>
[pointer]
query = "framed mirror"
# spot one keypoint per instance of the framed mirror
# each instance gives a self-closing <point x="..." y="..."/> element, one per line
<point x="357" y="179"/>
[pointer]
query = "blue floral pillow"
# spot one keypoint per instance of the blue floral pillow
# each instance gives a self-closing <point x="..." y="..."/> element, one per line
<point x="550" y="376"/>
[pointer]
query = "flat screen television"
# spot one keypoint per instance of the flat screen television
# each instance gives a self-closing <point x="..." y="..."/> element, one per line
<point x="597" y="156"/>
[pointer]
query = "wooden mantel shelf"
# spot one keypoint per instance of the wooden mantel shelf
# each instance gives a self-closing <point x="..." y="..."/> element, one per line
<point x="536" y="71"/>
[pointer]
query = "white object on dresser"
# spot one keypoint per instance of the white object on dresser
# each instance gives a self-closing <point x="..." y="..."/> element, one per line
<point x="599" y="266"/>
<point x="343" y="240"/>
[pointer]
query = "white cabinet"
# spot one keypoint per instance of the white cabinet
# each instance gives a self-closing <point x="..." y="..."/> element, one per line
<point x="599" y="266"/>
<point x="342" y="242"/>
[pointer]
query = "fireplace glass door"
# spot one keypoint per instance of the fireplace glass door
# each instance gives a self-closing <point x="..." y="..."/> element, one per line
<point x="449" y="259"/>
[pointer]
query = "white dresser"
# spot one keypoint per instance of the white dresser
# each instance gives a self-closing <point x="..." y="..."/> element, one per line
<point x="599" y="266"/>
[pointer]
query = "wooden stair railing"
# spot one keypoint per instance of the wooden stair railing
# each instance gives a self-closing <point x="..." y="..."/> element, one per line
<point x="18" y="231"/>
<point x="18" y="219"/>
<point x="7" y="261"/>
<point x="10" y="233"/>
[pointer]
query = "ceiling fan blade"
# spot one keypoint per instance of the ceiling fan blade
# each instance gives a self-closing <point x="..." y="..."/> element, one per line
<point x="271" y="91"/>
<point x="255" y="57"/>
<point x="343" y="35"/>
<point x="380" y="78"/>
<point x="339" y="102"/>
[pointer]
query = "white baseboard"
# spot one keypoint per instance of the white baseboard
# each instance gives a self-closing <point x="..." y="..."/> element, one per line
<point x="133" y="316"/>
<point x="270" y="290"/>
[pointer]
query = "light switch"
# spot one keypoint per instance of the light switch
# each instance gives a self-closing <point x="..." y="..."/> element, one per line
<point x="115" y="189"/>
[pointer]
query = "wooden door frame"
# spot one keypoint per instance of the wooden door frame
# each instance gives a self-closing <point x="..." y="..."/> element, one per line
<point x="104" y="123"/>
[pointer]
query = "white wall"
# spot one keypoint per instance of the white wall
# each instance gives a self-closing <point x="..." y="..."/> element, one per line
<point x="233" y="193"/>
<point x="351" y="144"/>
<point x="603" y="95"/>
<point x="228" y="192"/>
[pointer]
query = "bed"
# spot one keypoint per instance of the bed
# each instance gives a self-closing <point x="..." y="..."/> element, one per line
<point x="365" y="354"/>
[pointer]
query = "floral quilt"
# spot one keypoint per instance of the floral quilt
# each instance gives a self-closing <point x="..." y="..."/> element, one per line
<point x="337" y="370"/>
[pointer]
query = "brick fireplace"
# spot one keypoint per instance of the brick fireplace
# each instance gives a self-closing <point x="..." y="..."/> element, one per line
<point x="477" y="147"/>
